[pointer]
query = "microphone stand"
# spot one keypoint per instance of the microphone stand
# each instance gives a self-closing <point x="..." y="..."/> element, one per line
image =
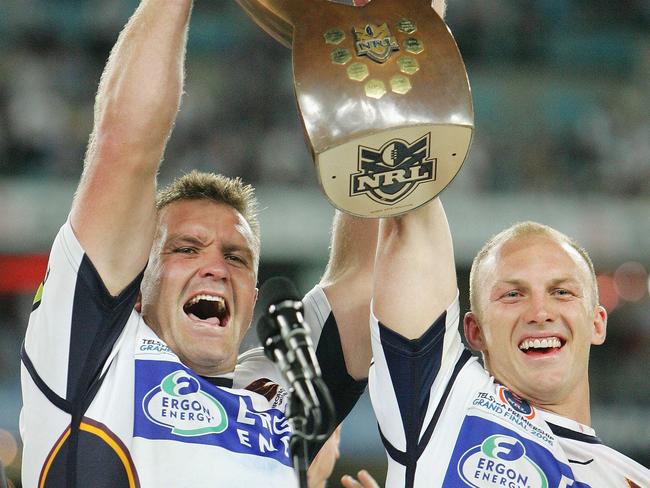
<point x="298" y="442"/>
<point x="307" y="421"/>
<point x="286" y="342"/>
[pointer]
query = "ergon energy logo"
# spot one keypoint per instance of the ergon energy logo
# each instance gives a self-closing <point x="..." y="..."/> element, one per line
<point x="500" y="461"/>
<point x="179" y="404"/>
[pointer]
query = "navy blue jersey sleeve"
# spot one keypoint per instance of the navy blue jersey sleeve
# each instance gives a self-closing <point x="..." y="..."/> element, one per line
<point x="413" y="366"/>
<point x="409" y="383"/>
<point x="74" y="324"/>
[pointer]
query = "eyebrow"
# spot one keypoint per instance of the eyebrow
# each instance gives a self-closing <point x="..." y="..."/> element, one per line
<point x="185" y="238"/>
<point x="176" y="239"/>
<point x="568" y="280"/>
<point x="236" y="247"/>
<point x="554" y="282"/>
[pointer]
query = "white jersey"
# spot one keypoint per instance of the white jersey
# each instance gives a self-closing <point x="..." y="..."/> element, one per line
<point x="446" y="423"/>
<point x="108" y="404"/>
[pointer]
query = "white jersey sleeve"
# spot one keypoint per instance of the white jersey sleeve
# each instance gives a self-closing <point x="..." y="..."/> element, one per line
<point x="73" y="329"/>
<point x="345" y="390"/>
<point x="74" y="324"/>
<point x="409" y="382"/>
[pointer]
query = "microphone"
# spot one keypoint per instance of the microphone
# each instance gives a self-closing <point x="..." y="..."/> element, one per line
<point x="283" y="312"/>
<point x="285" y="336"/>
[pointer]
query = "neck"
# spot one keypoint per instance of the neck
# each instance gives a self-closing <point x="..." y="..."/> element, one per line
<point x="575" y="406"/>
<point x="210" y="372"/>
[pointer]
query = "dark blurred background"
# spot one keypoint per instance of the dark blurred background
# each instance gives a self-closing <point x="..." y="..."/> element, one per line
<point x="562" y="98"/>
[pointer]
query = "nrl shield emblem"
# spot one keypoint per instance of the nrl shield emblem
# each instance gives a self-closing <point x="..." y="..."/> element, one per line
<point x="375" y="41"/>
<point x="392" y="172"/>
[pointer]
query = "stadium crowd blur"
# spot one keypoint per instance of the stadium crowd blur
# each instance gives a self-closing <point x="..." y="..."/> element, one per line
<point x="562" y="98"/>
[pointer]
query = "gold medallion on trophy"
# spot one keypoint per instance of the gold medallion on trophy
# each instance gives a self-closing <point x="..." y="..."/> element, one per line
<point x="383" y="95"/>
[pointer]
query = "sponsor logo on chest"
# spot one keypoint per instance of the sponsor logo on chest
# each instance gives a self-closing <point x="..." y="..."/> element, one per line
<point x="172" y="403"/>
<point x="500" y="461"/>
<point x="179" y="403"/>
<point x="487" y="454"/>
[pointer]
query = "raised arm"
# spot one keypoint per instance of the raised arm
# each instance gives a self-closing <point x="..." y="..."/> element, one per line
<point x="348" y="285"/>
<point x="415" y="274"/>
<point x="113" y="213"/>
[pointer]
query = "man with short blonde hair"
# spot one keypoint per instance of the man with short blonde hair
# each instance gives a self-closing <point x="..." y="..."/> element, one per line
<point x="521" y="419"/>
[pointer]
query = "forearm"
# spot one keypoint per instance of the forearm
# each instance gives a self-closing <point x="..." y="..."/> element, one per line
<point x="415" y="276"/>
<point x="347" y="282"/>
<point x="352" y="249"/>
<point x="113" y="213"/>
<point x="140" y="90"/>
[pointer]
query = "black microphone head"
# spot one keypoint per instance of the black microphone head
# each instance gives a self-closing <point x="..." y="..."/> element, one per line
<point x="268" y="332"/>
<point x="276" y="290"/>
<point x="266" y="327"/>
<point x="273" y="291"/>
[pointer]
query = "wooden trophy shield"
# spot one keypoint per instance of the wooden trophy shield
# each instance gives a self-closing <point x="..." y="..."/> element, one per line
<point x="383" y="95"/>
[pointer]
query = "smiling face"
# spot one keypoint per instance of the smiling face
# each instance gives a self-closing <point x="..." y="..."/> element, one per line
<point x="537" y="321"/>
<point x="198" y="290"/>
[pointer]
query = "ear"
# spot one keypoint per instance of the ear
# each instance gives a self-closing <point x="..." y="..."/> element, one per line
<point x="600" y="326"/>
<point x="138" y="303"/>
<point x="473" y="332"/>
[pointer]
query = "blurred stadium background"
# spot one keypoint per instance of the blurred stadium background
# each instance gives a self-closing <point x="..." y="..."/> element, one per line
<point x="562" y="99"/>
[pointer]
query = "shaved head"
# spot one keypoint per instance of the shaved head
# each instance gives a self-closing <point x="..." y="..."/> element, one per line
<point x="522" y="229"/>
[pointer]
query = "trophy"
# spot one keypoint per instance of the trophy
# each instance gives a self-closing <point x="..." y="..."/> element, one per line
<point x="383" y="95"/>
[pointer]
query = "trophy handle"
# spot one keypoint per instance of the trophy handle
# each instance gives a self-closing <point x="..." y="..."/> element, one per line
<point x="277" y="17"/>
<point x="273" y="16"/>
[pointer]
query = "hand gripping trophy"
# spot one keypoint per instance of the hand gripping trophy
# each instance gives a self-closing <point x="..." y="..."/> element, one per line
<point x="383" y="95"/>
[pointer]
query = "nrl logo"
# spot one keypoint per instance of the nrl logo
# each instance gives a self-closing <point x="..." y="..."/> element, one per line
<point x="375" y="41"/>
<point x="392" y="172"/>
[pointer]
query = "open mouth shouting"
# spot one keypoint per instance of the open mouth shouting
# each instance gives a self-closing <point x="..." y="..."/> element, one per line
<point x="210" y="309"/>
<point x="541" y="346"/>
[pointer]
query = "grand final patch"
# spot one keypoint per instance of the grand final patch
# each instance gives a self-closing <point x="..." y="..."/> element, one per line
<point x="392" y="172"/>
<point x="517" y="403"/>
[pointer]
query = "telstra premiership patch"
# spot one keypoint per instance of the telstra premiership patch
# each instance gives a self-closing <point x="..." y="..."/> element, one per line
<point x="489" y="455"/>
<point x="173" y="403"/>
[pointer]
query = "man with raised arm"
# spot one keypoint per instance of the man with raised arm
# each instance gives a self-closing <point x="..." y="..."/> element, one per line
<point x="130" y="369"/>
<point x="521" y="419"/>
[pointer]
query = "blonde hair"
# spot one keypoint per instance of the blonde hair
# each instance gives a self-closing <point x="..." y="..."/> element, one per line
<point x="198" y="185"/>
<point x="521" y="229"/>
